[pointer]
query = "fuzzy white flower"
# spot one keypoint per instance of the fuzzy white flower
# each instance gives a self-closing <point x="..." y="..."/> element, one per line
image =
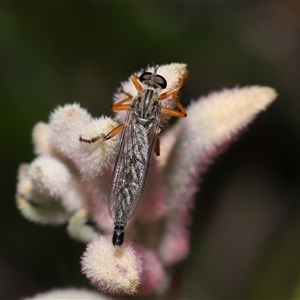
<point x="69" y="182"/>
<point x="213" y="123"/>
<point x="49" y="176"/>
<point x="41" y="140"/>
<point x="110" y="269"/>
<point x="69" y="294"/>
<point x="37" y="207"/>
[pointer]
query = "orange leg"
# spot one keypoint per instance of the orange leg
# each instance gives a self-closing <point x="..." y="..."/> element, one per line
<point x="102" y="136"/>
<point x="181" y="113"/>
<point x="173" y="112"/>
<point x="123" y="105"/>
<point x="114" y="132"/>
<point x="135" y="81"/>
<point x="120" y="105"/>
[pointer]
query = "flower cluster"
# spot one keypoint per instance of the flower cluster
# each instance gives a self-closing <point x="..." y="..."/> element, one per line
<point x="68" y="183"/>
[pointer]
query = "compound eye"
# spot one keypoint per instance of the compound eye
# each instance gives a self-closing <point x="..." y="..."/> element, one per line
<point x="161" y="81"/>
<point x="145" y="76"/>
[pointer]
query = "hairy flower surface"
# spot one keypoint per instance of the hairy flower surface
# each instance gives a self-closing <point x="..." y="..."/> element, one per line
<point x="213" y="122"/>
<point x="69" y="182"/>
<point x="110" y="269"/>
<point x="70" y="294"/>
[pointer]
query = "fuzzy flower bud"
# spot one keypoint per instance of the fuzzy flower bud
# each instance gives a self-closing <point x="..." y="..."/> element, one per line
<point x="41" y="140"/>
<point x="65" y="125"/>
<point x="37" y="207"/>
<point x="112" y="270"/>
<point x="79" y="230"/>
<point x="48" y="213"/>
<point x="153" y="275"/>
<point x="93" y="158"/>
<point x="49" y="176"/>
<point x="212" y="124"/>
<point x="70" y="122"/>
<point x="70" y="294"/>
<point x="24" y="186"/>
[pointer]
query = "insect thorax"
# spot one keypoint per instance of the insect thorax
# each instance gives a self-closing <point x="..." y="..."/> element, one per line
<point x="147" y="105"/>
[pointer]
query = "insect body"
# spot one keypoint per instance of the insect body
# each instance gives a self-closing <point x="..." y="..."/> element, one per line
<point x="139" y="139"/>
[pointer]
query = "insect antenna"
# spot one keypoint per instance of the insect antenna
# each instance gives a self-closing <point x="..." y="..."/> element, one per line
<point x="155" y="67"/>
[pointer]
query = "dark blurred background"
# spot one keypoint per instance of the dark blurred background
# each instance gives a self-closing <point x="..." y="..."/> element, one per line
<point x="246" y="231"/>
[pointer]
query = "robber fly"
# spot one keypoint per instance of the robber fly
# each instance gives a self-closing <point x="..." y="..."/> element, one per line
<point x="139" y="139"/>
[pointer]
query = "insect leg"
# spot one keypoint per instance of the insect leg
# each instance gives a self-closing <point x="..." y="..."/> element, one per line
<point x="171" y="112"/>
<point x="135" y="80"/>
<point x="181" y="113"/>
<point x="157" y="145"/>
<point x="120" y="104"/>
<point x="121" y="107"/>
<point x="94" y="139"/>
<point x="102" y="136"/>
<point x="114" y="132"/>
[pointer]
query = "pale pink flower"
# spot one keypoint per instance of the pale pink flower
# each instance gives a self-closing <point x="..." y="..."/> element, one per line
<point x="69" y="183"/>
<point x="112" y="270"/>
<point x="69" y="294"/>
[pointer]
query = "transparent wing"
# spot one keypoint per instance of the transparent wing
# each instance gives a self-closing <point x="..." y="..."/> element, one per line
<point x="135" y="152"/>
